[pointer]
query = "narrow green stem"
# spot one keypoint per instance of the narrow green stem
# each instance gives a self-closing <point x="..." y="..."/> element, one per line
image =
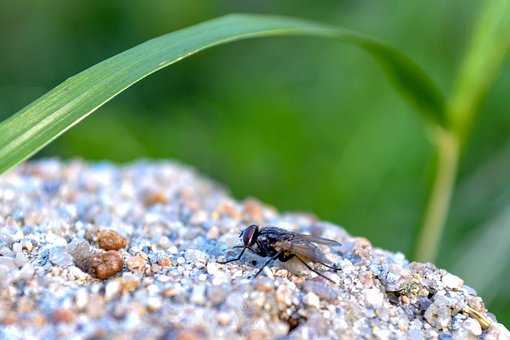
<point x="439" y="202"/>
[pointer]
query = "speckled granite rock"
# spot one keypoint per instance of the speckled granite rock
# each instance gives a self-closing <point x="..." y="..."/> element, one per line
<point x="162" y="229"/>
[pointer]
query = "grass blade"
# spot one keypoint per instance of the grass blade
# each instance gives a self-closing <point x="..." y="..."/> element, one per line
<point x="36" y="125"/>
<point x="488" y="48"/>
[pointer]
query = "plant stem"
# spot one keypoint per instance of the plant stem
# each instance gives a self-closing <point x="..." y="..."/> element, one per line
<point x="439" y="202"/>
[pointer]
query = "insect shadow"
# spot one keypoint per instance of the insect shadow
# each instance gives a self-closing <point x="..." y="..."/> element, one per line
<point x="283" y="245"/>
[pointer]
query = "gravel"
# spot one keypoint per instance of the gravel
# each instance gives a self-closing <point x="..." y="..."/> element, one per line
<point x="103" y="251"/>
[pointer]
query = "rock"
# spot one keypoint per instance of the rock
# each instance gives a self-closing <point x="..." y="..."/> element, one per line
<point x="60" y="257"/>
<point x="136" y="264"/>
<point x="374" y="297"/>
<point x="451" y="281"/>
<point x="112" y="289"/>
<point x="110" y="240"/>
<point x="62" y="272"/>
<point x="439" y="313"/>
<point x="105" y="264"/>
<point x="472" y="326"/>
<point x="312" y="300"/>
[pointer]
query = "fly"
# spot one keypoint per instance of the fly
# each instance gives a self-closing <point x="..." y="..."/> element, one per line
<point x="283" y="245"/>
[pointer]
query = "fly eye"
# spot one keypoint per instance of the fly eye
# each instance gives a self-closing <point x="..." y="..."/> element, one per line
<point x="249" y="235"/>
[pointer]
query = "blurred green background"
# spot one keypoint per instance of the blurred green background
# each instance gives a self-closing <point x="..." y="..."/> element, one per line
<point x="303" y="124"/>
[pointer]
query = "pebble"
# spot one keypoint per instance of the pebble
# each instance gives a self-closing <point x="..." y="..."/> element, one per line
<point x="136" y="264"/>
<point x="374" y="297"/>
<point x="312" y="300"/>
<point x="112" y="289"/>
<point x="453" y="282"/>
<point x="60" y="257"/>
<point x="26" y="272"/>
<point x="472" y="326"/>
<point x="110" y="240"/>
<point x="105" y="264"/>
<point x="198" y="294"/>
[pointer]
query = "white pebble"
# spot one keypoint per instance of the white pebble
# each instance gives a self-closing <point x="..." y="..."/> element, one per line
<point x="312" y="300"/>
<point x="472" y="326"/>
<point x="374" y="297"/>
<point x="112" y="289"/>
<point x="198" y="295"/>
<point x="26" y="272"/>
<point x="453" y="282"/>
<point x="81" y="298"/>
<point x="154" y="303"/>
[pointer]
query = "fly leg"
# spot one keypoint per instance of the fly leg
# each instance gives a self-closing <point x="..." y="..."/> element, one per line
<point x="239" y="256"/>
<point x="267" y="263"/>
<point x="315" y="271"/>
<point x="333" y="267"/>
<point x="234" y="259"/>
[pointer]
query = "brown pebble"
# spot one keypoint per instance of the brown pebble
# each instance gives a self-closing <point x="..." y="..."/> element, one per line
<point x="9" y="318"/>
<point x="155" y="197"/>
<point x="129" y="284"/>
<point x="38" y="320"/>
<point x="136" y="264"/>
<point x="105" y="264"/>
<point x="110" y="240"/>
<point x="63" y="315"/>
<point x="363" y="248"/>
<point x="190" y="334"/>
<point x="257" y="334"/>
<point x="253" y="209"/>
<point x="165" y="262"/>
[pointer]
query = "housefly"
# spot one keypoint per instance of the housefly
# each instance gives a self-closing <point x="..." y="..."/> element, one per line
<point x="283" y="245"/>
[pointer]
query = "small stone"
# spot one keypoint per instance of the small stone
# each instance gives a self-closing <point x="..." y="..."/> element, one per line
<point x="155" y="197"/>
<point x="130" y="282"/>
<point x="216" y="294"/>
<point x="26" y="272"/>
<point x="312" y="300"/>
<point x="106" y="264"/>
<point x="198" y="295"/>
<point x="112" y="290"/>
<point x="320" y="289"/>
<point x="164" y="242"/>
<point x="110" y="240"/>
<point x="253" y="209"/>
<point x="63" y="315"/>
<point x="136" y="264"/>
<point x="154" y="303"/>
<point x="81" y="298"/>
<point x="284" y="295"/>
<point x="472" y="326"/>
<point x="223" y="318"/>
<point x="20" y="260"/>
<point x="439" y="312"/>
<point x="453" y="282"/>
<point x="213" y="233"/>
<point x="27" y="245"/>
<point x="264" y="284"/>
<point x="165" y="262"/>
<point x="190" y="334"/>
<point x="60" y="257"/>
<point x="374" y="297"/>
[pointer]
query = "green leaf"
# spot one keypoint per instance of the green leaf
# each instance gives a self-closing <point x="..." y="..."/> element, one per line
<point x="480" y="66"/>
<point x="36" y="125"/>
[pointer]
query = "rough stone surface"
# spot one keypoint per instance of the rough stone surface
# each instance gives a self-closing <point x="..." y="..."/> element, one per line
<point x="164" y="281"/>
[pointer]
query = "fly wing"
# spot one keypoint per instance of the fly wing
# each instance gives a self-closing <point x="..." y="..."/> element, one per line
<point x="308" y="251"/>
<point x="320" y="240"/>
<point x="314" y="239"/>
